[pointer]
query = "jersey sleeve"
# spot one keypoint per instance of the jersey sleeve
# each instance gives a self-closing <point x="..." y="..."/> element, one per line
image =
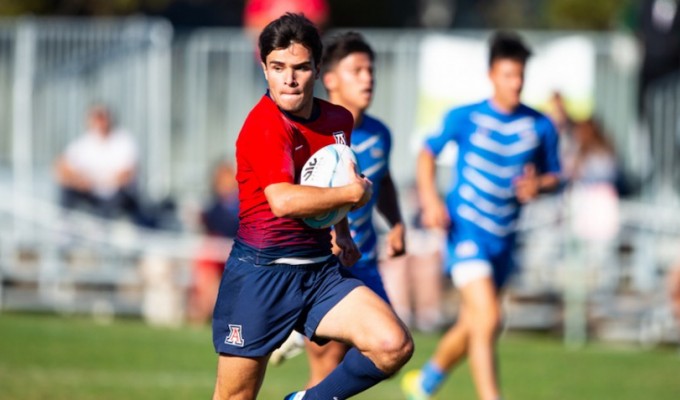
<point x="449" y="131"/>
<point x="548" y="157"/>
<point x="273" y="162"/>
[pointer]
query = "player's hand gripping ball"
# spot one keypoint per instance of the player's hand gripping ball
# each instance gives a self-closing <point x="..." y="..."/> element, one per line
<point x="329" y="167"/>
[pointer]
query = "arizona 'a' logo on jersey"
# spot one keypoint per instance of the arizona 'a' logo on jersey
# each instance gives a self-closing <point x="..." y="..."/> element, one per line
<point x="339" y="137"/>
<point x="235" y="337"/>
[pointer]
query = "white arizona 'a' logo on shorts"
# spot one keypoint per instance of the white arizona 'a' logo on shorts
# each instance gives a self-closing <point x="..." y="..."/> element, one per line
<point x="235" y="337"/>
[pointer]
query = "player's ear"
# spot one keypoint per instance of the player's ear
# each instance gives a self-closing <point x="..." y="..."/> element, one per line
<point x="329" y="80"/>
<point x="264" y="70"/>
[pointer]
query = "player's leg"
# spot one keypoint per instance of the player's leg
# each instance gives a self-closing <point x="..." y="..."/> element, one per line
<point x="482" y="309"/>
<point x="451" y="350"/>
<point x="473" y="335"/>
<point x="382" y="343"/>
<point x="366" y="321"/>
<point x="469" y="263"/>
<point x="323" y="359"/>
<point x="254" y="313"/>
<point x="239" y="378"/>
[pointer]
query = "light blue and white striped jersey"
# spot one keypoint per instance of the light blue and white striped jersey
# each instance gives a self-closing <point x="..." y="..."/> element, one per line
<point x="493" y="149"/>
<point x="372" y="143"/>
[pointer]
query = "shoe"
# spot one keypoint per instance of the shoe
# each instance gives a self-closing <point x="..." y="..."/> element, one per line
<point x="294" y="345"/>
<point x="295" y="395"/>
<point x="410" y="386"/>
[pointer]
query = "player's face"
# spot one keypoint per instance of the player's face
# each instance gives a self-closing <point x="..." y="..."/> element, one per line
<point x="507" y="78"/>
<point x="290" y="75"/>
<point x="350" y="83"/>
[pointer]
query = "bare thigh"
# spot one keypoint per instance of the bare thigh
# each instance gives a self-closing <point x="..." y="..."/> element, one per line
<point x="364" y="320"/>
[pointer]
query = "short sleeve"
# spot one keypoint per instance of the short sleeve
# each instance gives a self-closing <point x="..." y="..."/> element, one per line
<point x="449" y="131"/>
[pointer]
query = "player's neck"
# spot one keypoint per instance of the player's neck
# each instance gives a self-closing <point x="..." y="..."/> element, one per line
<point x="357" y="113"/>
<point x="501" y="106"/>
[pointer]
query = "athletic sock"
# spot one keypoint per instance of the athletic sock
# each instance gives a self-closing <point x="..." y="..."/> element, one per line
<point x="355" y="374"/>
<point x="431" y="377"/>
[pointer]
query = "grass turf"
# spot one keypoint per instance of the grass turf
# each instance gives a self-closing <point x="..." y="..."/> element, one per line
<point x="50" y="357"/>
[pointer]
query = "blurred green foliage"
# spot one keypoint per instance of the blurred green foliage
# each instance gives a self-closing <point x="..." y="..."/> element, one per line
<point x="79" y="7"/>
<point x="557" y="14"/>
<point x="585" y="14"/>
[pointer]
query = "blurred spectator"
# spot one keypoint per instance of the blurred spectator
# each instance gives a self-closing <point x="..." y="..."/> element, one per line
<point x="591" y="171"/>
<point x="96" y="172"/>
<point x="659" y="31"/>
<point x="220" y="216"/>
<point x="219" y="220"/>
<point x="557" y="111"/>
<point x="593" y="160"/>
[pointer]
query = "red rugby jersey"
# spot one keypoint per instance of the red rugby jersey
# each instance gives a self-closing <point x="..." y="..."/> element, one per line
<point x="272" y="147"/>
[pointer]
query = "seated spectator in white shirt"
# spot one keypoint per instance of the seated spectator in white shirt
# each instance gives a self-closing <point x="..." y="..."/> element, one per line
<point x="97" y="171"/>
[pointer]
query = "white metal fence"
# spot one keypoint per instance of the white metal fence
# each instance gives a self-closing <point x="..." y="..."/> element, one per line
<point x="52" y="70"/>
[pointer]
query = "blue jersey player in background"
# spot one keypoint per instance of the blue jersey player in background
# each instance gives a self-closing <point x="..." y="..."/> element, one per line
<point x="348" y="77"/>
<point x="507" y="155"/>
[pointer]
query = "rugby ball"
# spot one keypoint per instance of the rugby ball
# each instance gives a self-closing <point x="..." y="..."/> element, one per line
<point x="328" y="167"/>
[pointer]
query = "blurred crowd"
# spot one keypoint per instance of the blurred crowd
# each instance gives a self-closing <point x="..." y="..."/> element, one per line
<point x="96" y="173"/>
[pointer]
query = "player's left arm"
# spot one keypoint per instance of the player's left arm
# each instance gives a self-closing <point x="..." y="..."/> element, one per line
<point x="388" y="206"/>
<point x="544" y="175"/>
<point x="343" y="245"/>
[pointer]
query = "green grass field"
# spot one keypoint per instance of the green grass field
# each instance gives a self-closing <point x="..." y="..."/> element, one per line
<point x="49" y="357"/>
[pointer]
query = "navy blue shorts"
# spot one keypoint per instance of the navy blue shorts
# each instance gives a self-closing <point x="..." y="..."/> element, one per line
<point x="368" y="273"/>
<point x="258" y="306"/>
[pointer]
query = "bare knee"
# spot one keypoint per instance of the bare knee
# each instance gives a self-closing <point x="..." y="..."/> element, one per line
<point x="391" y="349"/>
<point x="486" y="325"/>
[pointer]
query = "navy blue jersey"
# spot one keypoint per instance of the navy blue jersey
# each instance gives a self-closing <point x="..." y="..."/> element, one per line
<point x="372" y="143"/>
<point x="493" y="149"/>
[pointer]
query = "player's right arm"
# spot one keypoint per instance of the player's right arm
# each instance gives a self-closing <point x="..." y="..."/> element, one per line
<point x="297" y="201"/>
<point x="434" y="212"/>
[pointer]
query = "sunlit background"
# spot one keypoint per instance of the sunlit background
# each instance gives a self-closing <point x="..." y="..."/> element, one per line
<point x="179" y="76"/>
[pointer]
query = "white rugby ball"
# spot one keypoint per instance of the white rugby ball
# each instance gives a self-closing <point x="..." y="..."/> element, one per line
<point x="328" y="167"/>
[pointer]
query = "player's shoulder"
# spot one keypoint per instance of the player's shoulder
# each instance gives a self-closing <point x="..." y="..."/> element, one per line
<point x="541" y="121"/>
<point x="264" y="115"/>
<point x="374" y="124"/>
<point x="464" y="111"/>
<point x="334" y="112"/>
<point x="264" y="108"/>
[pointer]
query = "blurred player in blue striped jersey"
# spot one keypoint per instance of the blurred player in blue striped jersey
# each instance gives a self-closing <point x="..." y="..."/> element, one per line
<point x="347" y="74"/>
<point x="507" y="155"/>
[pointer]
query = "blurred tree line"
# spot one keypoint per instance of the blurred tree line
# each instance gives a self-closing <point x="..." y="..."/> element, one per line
<point x="527" y="14"/>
